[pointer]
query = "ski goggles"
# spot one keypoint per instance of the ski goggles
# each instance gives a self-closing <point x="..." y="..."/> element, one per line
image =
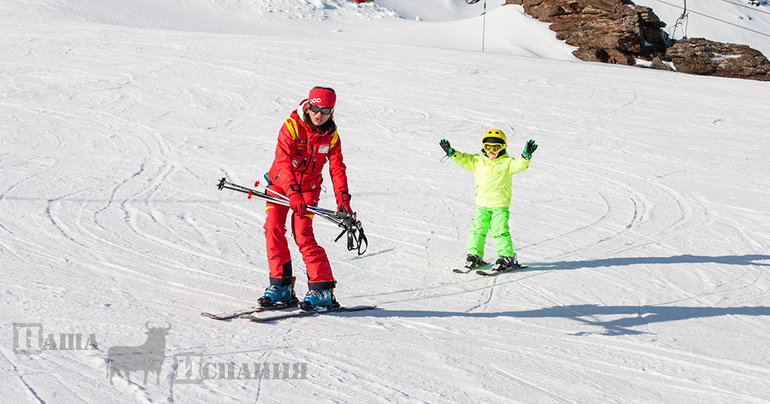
<point x="323" y="110"/>
<point x="493" y="147"/>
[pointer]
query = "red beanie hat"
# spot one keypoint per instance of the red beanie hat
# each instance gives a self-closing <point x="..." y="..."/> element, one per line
<point x="322" y="97"/>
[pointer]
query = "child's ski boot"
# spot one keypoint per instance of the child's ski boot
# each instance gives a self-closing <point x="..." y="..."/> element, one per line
<point x="506" y="264"/>
<point x="473" y="262"/>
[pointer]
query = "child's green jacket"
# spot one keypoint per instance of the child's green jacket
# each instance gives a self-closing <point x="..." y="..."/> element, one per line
<point x="492" y="177"/>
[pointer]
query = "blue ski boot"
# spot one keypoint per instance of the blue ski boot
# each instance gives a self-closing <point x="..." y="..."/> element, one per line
<point x="278" y="295"/>
<point x="317" y="299"/>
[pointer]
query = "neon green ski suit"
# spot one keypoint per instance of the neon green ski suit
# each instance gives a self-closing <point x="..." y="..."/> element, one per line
<point x="493" y="198"/>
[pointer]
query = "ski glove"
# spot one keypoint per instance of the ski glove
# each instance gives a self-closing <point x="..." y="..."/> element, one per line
<point x="529" y="148"/>
<point x="308" y="198"/>
<point x="344" y="205"/>
<point x="447" y="147"/>
<point x="345" y="208"/>
<point x="297" y="203"/>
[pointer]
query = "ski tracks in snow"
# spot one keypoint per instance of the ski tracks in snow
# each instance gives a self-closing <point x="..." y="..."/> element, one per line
<point x="116" y="203"/>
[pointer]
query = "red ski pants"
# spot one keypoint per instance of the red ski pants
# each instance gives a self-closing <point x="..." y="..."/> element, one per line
<point x="319" y="271"/>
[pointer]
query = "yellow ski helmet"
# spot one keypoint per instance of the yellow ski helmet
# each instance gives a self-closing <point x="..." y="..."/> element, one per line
<point x="494" y="136"/>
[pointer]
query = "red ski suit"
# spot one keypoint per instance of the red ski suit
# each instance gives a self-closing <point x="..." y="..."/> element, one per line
<point x="300" y="155"/>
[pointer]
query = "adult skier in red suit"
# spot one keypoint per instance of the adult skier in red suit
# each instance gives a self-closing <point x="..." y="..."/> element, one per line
<point x="307" y="140"/>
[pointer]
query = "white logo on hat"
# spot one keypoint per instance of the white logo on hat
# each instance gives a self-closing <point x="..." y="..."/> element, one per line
<point x="315" y="101"/>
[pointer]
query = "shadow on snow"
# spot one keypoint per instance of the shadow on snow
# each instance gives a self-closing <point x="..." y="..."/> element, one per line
<point x="630" y="316"/>
<point x="752" y="259"/>
<point x="591" y="314"/>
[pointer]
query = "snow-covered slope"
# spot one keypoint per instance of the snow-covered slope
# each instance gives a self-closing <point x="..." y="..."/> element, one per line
<point x="643" y="217"/>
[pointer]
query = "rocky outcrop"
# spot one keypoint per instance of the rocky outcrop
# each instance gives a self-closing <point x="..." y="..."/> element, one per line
<point x="619" y="31"/>
<point x="704" y="57"/>
<point x="609" y="31"/>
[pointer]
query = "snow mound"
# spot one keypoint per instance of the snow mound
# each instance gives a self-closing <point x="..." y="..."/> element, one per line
<point x="231" y="16"/>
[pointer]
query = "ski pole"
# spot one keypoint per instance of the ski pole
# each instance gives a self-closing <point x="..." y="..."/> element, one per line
<point x="282" y="200"/>
<point x="347" y="221"/>
<point x="324" y="213"/>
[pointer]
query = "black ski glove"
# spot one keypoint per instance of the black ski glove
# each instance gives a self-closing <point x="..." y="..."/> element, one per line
<point x="529" y="148"/>
<point x="447" y="147"/>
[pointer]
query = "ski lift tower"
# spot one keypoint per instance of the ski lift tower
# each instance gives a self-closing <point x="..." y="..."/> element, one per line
<point x="484" y="23"/>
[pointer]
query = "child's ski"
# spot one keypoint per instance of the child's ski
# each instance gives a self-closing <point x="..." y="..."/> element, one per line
<point x="250" y="310"/>
<point x="493" y="272"/>
<point x="465" y="270"/>
<point x="302" y="313"/>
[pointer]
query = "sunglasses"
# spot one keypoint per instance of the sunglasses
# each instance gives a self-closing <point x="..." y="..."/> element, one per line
<point x="493" y="147"/>
<point x="324" y="111"/>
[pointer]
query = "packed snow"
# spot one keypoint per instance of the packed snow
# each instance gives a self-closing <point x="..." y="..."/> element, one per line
<point x="643" y="217"/>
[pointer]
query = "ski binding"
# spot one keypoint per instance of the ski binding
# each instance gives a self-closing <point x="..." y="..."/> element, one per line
<point x="465" y="270"/>
<point x="493" y="272"/>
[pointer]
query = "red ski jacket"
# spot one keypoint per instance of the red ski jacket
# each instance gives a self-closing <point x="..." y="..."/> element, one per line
<point x="300" y="155"/>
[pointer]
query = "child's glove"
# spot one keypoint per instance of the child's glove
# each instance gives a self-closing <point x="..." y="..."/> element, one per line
<point x="529" y="148"/>
<point x="447" y="147"/>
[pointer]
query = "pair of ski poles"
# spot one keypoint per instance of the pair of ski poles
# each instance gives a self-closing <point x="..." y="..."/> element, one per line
<point x="350" y="225"/>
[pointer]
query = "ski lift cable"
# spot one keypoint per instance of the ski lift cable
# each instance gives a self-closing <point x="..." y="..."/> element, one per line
<point x="753" y="8"/>
<point x="720" y="20"/>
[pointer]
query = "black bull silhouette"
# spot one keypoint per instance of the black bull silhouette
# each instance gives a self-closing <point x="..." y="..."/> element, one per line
<point x="146" y="357"/>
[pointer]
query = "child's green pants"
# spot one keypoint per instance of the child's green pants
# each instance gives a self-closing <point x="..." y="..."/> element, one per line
<point x="484" y="220"/>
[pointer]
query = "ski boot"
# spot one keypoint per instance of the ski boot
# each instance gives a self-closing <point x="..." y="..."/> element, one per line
<point x="318" y="299"/>
<point x="506" y="264"/>
<point x="279" y="295"/>
<point x="473" y="262"/>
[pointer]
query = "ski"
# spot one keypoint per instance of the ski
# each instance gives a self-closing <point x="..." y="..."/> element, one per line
<point x="465" y="270"/>
<point x="251" y="310"/>
<point x="493" y="272"/>
<point x="303" y="313"/>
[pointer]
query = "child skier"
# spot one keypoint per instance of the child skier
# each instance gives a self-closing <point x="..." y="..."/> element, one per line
<point x="492" y="172"/>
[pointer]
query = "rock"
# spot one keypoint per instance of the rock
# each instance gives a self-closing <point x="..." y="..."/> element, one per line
<point x="658" y="64"/>
<point x="705" y="57"/>
<point x="620" y="32"/>
<point x="609" y="31"/>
